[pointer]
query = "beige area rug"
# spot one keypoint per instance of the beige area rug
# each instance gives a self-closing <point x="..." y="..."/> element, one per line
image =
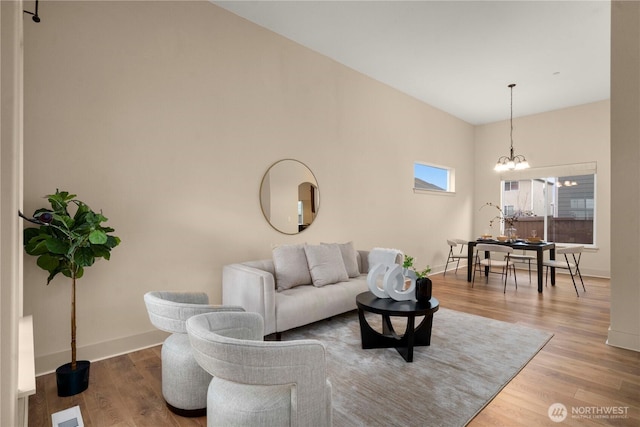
<point x="471" y="358"/>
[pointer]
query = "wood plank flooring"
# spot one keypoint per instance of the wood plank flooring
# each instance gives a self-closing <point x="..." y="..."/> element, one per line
<point x="576" y="368"/>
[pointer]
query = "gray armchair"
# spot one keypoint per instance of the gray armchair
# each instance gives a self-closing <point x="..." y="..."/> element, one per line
<point x="256" y="382"/>
<point x="184" y="382"/>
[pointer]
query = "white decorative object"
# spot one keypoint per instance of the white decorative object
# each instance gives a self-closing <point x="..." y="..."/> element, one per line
<point x="388" y="281"/>
<point x="394" y="283"/>
<point x="376" y="275"/>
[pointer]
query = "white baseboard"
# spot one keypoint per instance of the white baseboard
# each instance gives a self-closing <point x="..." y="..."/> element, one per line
<point x="623" y="340"/>
<point x="49" y="363"/>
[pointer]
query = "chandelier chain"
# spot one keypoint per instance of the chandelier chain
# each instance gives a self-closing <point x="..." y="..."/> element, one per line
<point x="511" y="132"/>
<point x="512" y="161"/>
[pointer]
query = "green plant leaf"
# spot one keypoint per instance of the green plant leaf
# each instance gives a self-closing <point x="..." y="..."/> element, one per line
<point x="65" y="220"/>
<point x="57" y="246"/>
<point x="66" y="272"/>
<point x="98" y="237"/>
<point x="37" y="246"/>
<point x="60" y="200"/>
<point x="53" y="274"/>
<point x="101" y="251"/>
<point x="29" y="233"/>
<point x="48" y="262"/>
<point x="112" y="241"/>
<point x="84" y="257"/>
<point x="82" y="210"/>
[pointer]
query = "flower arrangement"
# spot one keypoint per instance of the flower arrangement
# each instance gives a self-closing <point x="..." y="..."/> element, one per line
<point x="408" y="264"/>
<point x="507" y="220"/>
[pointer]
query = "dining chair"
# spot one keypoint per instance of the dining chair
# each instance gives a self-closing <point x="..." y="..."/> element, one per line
<point x="523" y="258"/>
<point x="488" y="262"/>
<point x="455" y="256"/>
<point x="573" y="267"/>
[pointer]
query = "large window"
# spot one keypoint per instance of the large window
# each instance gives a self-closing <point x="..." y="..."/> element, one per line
<point x="563" y="204"/>
<point x="433" y="178"/>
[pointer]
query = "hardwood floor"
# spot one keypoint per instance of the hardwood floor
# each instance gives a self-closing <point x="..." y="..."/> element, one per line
<point x="576" y="368"/>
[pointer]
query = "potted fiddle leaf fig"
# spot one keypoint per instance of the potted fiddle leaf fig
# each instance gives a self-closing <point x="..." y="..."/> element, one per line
<point x="69" y="242"/>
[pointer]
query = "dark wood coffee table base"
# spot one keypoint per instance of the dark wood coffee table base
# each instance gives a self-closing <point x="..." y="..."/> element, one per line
<point x="413" y="336"/>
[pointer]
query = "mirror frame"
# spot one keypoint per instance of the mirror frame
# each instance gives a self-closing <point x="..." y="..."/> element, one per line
<point x="266" y="178"/>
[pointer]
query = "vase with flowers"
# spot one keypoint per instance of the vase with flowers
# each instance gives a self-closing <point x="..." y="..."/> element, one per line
<point x="508" y="221"/>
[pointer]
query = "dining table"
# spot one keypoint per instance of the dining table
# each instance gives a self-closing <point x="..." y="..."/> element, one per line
<point x="538" y="247"/>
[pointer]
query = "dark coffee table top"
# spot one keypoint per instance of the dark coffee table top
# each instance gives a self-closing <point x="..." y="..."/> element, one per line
<point x="371" y="303"/>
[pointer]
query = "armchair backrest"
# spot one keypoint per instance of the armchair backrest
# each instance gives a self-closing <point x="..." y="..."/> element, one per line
<point x="168" y="311"/>
<point x="229" y="346"/>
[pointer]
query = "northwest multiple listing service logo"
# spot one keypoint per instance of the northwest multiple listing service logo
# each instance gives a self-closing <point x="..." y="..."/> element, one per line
<point x="558" y="412"/>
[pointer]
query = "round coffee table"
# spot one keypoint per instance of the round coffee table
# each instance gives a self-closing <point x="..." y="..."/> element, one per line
<point x="387" y="307"/>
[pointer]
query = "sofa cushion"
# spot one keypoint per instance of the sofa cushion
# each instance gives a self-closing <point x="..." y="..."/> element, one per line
<point x="290" y="265"/>
<point x="349" y="257"/>
<point x="325" y="264"/>
<point x="307" y="304"/>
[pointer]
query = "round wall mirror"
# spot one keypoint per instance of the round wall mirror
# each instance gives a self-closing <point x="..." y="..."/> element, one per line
<point x="289" y="196"/>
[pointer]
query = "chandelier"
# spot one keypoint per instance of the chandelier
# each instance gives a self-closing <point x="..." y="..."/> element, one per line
<point x="512" y="161"/>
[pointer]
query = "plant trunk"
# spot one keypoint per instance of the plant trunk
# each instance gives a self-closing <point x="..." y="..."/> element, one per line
<point x="73" y="322"/>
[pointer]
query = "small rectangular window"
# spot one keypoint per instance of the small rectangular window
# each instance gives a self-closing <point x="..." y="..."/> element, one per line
<point x="433" y="178"/>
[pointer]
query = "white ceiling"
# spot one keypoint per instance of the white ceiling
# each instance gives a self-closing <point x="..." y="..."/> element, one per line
<point x="458" y="56"/>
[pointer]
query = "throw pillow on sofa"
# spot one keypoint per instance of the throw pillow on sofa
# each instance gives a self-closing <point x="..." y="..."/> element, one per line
<point x="290" y="265"/>
<point x="325" y="264"/>
<point x="349" y="257"/>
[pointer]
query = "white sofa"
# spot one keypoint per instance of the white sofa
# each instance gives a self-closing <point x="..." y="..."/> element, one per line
<point x="259" y="286"/>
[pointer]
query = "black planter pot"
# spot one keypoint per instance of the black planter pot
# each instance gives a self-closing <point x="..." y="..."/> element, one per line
<point x="71" y="382"/>
<point x="423" y="289"/>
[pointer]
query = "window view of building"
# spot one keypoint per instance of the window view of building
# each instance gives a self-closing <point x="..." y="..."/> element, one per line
<point x="511" y="185"/>
<point x="563" y="207"/>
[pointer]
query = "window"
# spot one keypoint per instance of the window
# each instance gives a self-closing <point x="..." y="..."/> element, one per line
<point x="511" y="185"/>
<point x="433" y="178"/>
<point x="562" y="199"/>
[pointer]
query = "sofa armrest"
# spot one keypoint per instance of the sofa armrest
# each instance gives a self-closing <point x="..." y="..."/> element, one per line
<point x="252" y="289"/>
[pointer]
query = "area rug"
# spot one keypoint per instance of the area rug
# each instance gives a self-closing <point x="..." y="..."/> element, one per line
<point x="471" y="358"/>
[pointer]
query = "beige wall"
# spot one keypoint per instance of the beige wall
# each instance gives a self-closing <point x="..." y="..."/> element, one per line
<point x="573" y="135"/>
<point x="625" y="178"/>
<point x="166" y="115"/>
